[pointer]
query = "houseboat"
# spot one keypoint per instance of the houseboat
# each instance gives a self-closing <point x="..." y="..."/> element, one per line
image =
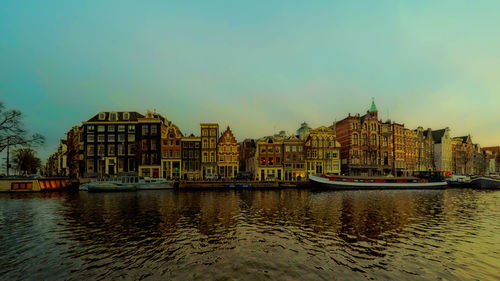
<point x="354" y="182"/>
<point x="486" y="182"/>
<point x="33" y="185"/>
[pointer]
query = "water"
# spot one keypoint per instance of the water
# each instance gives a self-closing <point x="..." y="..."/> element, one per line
<point x="251" y="235"/>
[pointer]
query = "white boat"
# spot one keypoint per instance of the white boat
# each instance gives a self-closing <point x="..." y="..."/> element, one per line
<point x="486" y="182"/>
<point x="126" y="183"/>
<point x="458" y="180"/>
<point x="342" y="182"/>
<point x="154" y="183"/>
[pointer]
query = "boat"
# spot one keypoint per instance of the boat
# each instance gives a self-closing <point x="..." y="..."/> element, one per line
<point x="458" y="180"/>
<point x="24" y="184"/>
<point x="154" y="184"/>
<point x="126" y="183"/>
<point x="343" y="182"/>
<point x="486" y="182"/>
<point x="238" y="185"/>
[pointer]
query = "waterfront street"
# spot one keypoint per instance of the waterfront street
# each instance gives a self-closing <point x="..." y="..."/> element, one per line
<point x="288" y="234"/>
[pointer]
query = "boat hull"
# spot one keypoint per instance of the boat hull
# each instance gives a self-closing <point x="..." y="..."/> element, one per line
<point x="110" y="188"/>
<point x="346" y="185"/>
<point x="486" y="183"/>
<point x="155" y="186"/>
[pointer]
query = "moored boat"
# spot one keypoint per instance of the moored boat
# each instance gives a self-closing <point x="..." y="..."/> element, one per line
<point x="154" y="184"/>
<point x="486" y="182"/>
<point x="342" y="182"/>
<point x="127" y="183"/>
<point x="458" y="180"/>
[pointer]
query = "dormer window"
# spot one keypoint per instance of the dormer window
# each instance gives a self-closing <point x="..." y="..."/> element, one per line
<point x="113" y="116"/>
<point x="126" y="116"/>
<point x="102" y="115"/>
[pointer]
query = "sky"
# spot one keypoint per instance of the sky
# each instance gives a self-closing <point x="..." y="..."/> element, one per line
<point x="257" y="66"/>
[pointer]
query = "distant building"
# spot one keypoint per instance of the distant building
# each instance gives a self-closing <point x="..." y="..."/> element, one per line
<point x="110" y="141"/>
<point x="171" y="137"/>
<point x="294" y="161"/>
<point x="75" y="154"/>
<point x="322" y="152"/>
<point x="228" y="154"/>
<point x="247" y="148"/>
<point x="303" y="131"/>
<point x="425" y="150"/>
<point x="463" y="153"/>
<point x="492" y="155"/>
<point x="365" y="143"/>
<point x="191" y="158"/>
<point x="268" y="159"/>
<point x="209" y="138"/>
<point x="442" y="149"/>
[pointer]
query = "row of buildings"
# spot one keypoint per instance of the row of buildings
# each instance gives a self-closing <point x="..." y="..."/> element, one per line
<point x="113" y="143"/>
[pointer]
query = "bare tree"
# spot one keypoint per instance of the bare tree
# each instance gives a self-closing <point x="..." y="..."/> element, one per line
<point x="12" y="132"/>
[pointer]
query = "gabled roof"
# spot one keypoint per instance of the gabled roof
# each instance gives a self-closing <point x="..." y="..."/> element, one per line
<point x="133" y="116"/>
<point x="437" y="135"/>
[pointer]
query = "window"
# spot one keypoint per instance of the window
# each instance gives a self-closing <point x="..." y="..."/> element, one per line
<point x="131" y="149"/>
<point x="126" y="116"/>
<point x="205" y="144"/>
<point x="100" y="149"/>
<point x="364" y="139"/>
<point x="153" y="144"/>
<point x="374" y="140"/>
<point x="145" y="130"/>
<point x="278" y="160"/>
<point x="90" y="138"/>
<point x="102" y="115"/>
<point x="294" y="148"/>
<point x="101" y="138"/>
<point x="212" y="133"/>
<point x="271" y="161"/>
<point x="121" y="128"/>
<point x="111" y="128"/>
<point x="177" y="153"/>
<point x="205" y="155"/>
<point x="355" y="139"/>
<point x="100" y="128"/>
<point x="90" y="150"/>
<point x="111" y="138"/>
<point x="121" y="137"/>
<point x="144" y="144"/>
<point x="90" y="128"/>
<point x="334" y="155"/>
<point x="212" y="143"/>
<point x="90" y="166"/>
<point x="111" y="149"/>
<point x="131" y="128"/>
<point x="131" y="137"/>
<point x="177" y="142"/>
<point x="277" y="149"/>
<point x="154" y="130"/>
<point x="212" y="157"/>
<point x="262" y="160"/>
<point x="121" y="150"/>
<point x="205" y="132"/>
<point x="113" y="116"/>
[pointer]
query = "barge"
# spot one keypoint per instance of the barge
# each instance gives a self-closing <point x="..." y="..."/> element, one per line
<point x="343" y="182"/>
<point x="34" y="185"/>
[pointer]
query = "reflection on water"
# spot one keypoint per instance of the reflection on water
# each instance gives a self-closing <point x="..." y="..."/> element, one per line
<point x="283" y="234"/>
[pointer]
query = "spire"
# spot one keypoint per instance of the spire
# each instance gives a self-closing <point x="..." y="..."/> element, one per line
<point x="373" y="108"/>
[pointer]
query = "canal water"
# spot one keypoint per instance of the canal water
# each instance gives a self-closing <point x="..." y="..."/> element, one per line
<point x="288" y="234"/>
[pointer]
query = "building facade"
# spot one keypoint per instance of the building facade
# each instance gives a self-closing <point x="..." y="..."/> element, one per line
<point x="149" y="151"/>
<point x="322" y="152"/>
<point x="294" y="161"/>
<point x="425" y="151"/>
<point x="110" y="142"/>
<point x="75" y="154"/>
<point x="268" y="159"/>
<point x="209" y="138"/>
<point x="171" y="149"/>
<point x="228" y="154"/>
<point x="191" y="158"/>
<point x="365" y="143"/>
<point x="442" y="149"/>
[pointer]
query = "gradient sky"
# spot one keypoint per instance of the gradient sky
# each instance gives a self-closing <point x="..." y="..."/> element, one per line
<point x="258" y="66"/>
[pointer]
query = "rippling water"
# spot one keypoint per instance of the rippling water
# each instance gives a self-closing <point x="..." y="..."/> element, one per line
<point x="253" y="235"/>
